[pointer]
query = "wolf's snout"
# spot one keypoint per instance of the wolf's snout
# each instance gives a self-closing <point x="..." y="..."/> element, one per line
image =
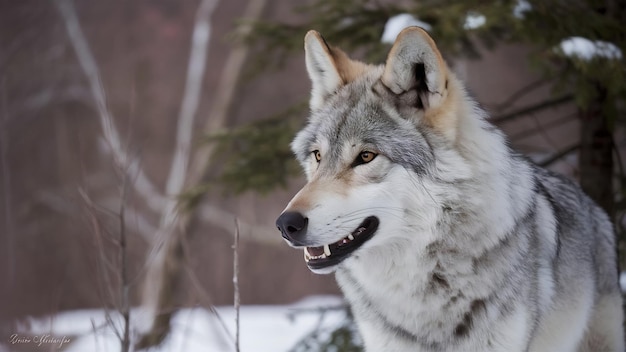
<point x="292" y="225"/>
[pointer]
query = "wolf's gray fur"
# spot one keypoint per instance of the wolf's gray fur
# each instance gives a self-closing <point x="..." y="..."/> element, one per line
<point x="475" y="248"/>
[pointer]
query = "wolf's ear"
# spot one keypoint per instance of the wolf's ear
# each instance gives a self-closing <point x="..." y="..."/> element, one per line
<point x="415" y="66"/>
<point x="329" y="68"/>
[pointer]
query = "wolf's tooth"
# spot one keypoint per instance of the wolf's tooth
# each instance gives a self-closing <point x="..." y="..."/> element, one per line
<point x="327" y="250"/>
<point x="350" y="237"/>
<point x="307" y="256"/>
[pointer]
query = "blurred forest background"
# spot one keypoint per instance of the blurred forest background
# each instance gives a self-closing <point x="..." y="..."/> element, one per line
<point x="61" y="178"/>
<point x="136" y="137"/>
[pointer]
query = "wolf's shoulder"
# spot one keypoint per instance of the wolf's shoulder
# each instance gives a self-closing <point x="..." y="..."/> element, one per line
<point x="574" y="210"/>
<point x="560" y="189"/>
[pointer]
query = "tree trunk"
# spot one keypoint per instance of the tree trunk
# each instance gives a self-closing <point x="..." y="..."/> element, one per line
<point x="596" y="154"/>
<point x="166" y="268"/>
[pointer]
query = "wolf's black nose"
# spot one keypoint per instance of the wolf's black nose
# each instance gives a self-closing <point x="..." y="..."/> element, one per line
<point x="292" y="225"/>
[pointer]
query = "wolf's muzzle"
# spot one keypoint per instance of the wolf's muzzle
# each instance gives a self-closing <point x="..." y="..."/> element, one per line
<point x="292" y="226"/>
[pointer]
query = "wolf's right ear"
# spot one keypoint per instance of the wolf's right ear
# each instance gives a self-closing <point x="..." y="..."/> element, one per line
<point x="329" y="68"/>
<point x="415" y="63"/>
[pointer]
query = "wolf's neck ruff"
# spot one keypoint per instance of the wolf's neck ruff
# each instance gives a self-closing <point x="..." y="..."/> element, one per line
<point x="442" y="238"/>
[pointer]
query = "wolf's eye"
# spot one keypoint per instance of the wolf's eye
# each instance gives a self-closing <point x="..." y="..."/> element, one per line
<point x="318" y="155"/>
<point x="364" y="158"/>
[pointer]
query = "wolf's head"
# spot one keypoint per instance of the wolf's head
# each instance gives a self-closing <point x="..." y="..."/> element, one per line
<point x="368" y="151"/>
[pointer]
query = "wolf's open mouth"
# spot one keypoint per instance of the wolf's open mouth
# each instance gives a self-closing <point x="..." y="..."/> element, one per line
<point x="334" y="253"/>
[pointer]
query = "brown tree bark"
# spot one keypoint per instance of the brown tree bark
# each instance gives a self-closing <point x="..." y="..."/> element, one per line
<point x="596" y="153"/>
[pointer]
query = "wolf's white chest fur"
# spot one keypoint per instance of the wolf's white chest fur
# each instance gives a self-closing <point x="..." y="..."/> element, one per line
<point x="399" y="308"/>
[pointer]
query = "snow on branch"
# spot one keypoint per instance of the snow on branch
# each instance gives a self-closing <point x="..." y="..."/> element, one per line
<point x="474" y="20"/>
<point x="586" y="49"/>
<point x="521" y="8"/>
<point x="397" y="23"/>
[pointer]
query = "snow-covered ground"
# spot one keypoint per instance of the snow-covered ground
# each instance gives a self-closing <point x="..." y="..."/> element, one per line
<point x="262" y="328"/>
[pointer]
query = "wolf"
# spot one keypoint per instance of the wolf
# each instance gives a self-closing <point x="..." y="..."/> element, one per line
<point x="441" y="237"/>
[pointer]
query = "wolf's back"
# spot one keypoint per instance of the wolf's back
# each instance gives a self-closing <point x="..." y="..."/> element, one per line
<point x="585" y="271"/>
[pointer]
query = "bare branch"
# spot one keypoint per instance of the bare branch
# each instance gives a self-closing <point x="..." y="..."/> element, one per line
<point x="520" y="93"/>
<point x="531" y="109"/>
<point x="142" y="184"/>
<point x="552" y="124"/>
<point x="57" y="200"/>
<point x="558" y="156"/>
<point x="223" y="219"/>
<point x="53" y="95"/>
<point x="222" y="102"/>
<point x="193" y="88"/>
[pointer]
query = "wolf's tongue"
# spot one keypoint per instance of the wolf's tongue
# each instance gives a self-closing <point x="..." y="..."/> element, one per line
<point x="315" y="251"/>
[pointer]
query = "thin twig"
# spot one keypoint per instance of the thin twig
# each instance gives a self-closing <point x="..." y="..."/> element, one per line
<point x="208" y="302"/>
<point x="55" y="95"/>
<point x="217" y="217"/>
<point x="520" y="93"/>
<point x="123" y="269"/>
<point x="104" y="265"/>
<point x="554" y="123"/>
<point x="95" y="332"/>
<point x="236" y="283"/>
<point x="204" y="296"/>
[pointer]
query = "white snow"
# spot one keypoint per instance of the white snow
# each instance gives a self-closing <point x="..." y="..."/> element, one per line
<point x="521" y="7"/>
<point x="586" y="49"/>
<point x="262" y="328"/>
<point x="474" y="20"/>
<point x="397" y="23"/>
<point x="622" y="281"/>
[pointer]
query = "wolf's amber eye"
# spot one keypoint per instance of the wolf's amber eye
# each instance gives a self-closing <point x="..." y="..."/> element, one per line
<point x="318" y="155"/>
<point x="366" y="156"/>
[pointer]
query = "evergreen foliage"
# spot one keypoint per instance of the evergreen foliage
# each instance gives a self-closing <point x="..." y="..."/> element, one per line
<point x="257" y="156"/>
